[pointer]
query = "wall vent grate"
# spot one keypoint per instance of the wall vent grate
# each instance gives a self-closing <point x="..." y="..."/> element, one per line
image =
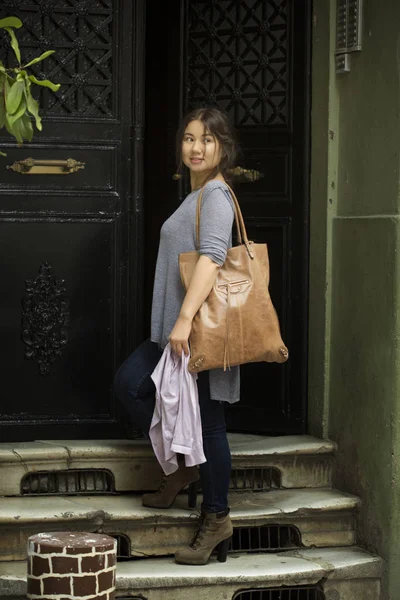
<point x="291" y="593"/>
<point x="266" y="538"/>
<point x="123" y="546"/>
<point x="255" y="480"/>
<point x="69" y="482"/>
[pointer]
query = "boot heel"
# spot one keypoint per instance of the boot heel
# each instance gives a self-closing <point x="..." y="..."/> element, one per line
<point x="222" y="549"/>
<point x="192" y="494"/>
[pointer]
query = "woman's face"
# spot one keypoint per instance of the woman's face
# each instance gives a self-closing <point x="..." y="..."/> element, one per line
<point x="201" y="151"/>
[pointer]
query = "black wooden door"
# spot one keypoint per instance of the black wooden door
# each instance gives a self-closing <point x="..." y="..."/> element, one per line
<point x="251" y="58"/>
<point x="71" y="262"/>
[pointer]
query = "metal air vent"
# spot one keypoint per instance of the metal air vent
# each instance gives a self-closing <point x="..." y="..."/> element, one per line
<point x="267" y="538"/>
<point x="255" y="480"/>
<point x="70" y="482"/>
<point x="348" y="32"/>
<point x="291" y="593"/>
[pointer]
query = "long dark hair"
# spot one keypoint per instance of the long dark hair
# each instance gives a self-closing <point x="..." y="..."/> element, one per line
<point x="217" y="123"/>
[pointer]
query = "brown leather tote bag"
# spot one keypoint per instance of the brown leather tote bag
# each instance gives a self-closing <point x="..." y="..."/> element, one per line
<point x="237" y="323"/>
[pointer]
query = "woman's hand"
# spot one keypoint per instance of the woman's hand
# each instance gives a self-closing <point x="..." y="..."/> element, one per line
<point x="180" y="335"/>
<point x="200" y="286"/>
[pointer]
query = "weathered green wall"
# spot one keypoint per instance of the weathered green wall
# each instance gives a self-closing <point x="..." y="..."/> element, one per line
<point x="363" y="390"/>
<point x="360" y="387"/>
<point x="324" y="157"/>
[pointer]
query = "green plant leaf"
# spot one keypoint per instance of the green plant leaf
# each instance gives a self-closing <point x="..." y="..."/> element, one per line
<point x="2" y="115"/>
<point x="2" y="104"/>
<point x="19" y="112"/>
<point x="21" y="128"/>
<point x="11" y="22"/>
<point x="14" y="43"/>
<point x="13" y="96"/>
<point x="3" y="80"/>
<point x="2" y="153"/>
<point x="7" y="86"/>
<point x="14" y="129"/>
<point x="39" y="58"/>
<point x="45" y="83"/>
<point x="33" y="106"/>
<point x="26" y="127"/>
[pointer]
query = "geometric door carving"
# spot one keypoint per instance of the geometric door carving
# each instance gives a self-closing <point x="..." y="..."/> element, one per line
<point x="81" y="33"/>
<point x="238" y="58"/>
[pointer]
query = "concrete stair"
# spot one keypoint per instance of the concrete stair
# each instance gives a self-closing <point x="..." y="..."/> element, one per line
<point x="291" y="529"/>
<point x="342" y="573"/>
<point x="324" y="517"/>
<point x="301" y="461"/>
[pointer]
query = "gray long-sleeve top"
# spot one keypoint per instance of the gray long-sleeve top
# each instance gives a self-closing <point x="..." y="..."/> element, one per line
<point x="178" y="234"/>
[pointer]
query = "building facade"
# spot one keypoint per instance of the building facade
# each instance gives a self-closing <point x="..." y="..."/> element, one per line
<point x="322" y="188"/>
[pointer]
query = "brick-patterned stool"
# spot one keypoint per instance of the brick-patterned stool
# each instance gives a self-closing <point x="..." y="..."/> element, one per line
<point x="70" y="565"/>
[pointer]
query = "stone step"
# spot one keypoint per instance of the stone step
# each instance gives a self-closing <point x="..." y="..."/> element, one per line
<point x="345" y="573"/>
<point x="322" y="517"/>
<point x="129" y="465"/>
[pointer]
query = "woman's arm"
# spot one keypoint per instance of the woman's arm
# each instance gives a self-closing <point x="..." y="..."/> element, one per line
<point x="199" y="288"/>
<point x="215" y="231"/>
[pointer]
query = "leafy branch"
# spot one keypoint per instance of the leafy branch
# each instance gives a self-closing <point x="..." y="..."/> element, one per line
<point x="16" y="100"/>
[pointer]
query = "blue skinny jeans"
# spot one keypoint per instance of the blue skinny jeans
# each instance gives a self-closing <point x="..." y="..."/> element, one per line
<point x="135" y="389"/>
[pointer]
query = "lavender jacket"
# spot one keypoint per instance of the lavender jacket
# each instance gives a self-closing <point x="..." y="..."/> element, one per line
<point x="176" y="424"/>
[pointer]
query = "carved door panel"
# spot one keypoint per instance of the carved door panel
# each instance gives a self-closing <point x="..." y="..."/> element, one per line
<point x="69" y="241"/>
<point x="251" y="58"/>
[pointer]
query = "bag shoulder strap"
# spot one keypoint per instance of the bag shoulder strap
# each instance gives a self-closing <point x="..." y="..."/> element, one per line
<point x="240" y="226"/>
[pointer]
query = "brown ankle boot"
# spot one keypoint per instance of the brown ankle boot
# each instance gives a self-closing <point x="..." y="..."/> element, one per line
<point x="214" y="531"/>
<point x="170" y="487"/>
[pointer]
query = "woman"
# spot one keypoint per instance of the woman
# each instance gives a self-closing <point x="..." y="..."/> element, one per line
<point x="207" y="147"/>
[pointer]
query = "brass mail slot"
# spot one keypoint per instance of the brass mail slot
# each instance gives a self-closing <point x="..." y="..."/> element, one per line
<point x="30" y="166"/>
